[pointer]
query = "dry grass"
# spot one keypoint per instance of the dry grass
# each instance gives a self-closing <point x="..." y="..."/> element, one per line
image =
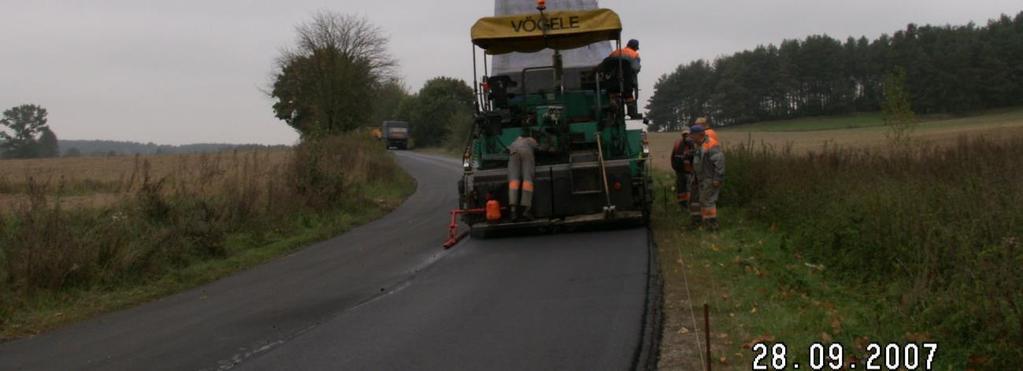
<point x="11" y="202"/>
<point x="73" y="231"/>
<point x="941" y="132"/>
<point x="102" y="169"/>
<point x="97" y="182"/>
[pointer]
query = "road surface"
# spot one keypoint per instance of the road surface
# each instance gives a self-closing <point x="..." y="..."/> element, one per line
<point x="386" y="296"/>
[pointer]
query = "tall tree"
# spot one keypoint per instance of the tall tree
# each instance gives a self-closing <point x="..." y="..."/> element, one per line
<point x="48" y="145"/>
<point x="664" y="106"/>
<point x="24" y="125"/>
<point x="441" y="113"/>
<point x="388" y="98"/>
<point x="326" y="85"/>
<point x="682" y="96"/>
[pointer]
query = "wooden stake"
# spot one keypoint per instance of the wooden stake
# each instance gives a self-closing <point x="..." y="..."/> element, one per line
<point x="706" y="331"/>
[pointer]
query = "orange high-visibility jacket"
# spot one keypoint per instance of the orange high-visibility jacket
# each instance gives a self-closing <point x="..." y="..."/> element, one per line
<point x="713" y="135"/>
<point x="709" y="161"/>
<point x="631" y="54"/>
<point x="626" y="52"/>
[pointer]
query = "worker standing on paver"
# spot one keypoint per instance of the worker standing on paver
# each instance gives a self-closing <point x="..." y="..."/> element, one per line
<point x="521" y="171"/>
<point x="631" y="53"/>
<point x="682" y="163"/>
<point x="709" y="173"/>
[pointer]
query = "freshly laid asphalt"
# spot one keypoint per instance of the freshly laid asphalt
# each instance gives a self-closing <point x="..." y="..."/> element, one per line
<point x="386" y="296"/>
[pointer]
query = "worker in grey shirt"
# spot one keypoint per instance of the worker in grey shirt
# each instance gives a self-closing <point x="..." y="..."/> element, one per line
<point x="709" y="171"/>
<point x="521" y="172"/>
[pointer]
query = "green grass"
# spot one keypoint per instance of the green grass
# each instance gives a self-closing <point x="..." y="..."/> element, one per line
<point x="760" y="290"/>
<point x="917" y="244"/>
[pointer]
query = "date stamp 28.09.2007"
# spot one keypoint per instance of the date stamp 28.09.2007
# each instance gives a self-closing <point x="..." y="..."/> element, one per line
<point x="834" y="356"/>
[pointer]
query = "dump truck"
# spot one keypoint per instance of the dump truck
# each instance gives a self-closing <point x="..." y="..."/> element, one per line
<point x="395" y="134"/>
<point x="595" y="170"/>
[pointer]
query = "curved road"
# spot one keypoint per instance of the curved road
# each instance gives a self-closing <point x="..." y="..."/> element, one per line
<point x="386" y="296"/>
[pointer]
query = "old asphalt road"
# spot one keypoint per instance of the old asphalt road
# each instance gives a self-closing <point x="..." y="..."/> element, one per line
<point x="386" y="296"/>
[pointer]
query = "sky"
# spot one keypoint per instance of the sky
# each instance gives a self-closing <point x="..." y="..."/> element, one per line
<point x="187" y="71"/>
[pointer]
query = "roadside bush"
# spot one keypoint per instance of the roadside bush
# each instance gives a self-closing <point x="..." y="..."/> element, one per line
<point x="168" y="223"/>
<point x="935" y="231"/>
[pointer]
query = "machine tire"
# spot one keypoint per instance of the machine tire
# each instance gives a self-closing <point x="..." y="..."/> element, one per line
<point x="648" y="200"/>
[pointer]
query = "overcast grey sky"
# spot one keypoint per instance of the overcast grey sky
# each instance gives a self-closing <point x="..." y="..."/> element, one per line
<point x="182" y="71"/>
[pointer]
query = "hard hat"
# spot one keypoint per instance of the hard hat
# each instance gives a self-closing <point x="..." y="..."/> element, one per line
<point x="634" y="44"/>
<point x="685" y="130"/>
<point x="696" y="129"/>
<point x="702" y="121"/>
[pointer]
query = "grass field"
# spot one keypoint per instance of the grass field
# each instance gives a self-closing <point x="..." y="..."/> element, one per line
<point x="747" y="281"/>
<point x="853" y="245"/>
<point x="854" y="121"/>
<point x="95" y="182"/>
<point x="82" y="236"/>
<point x="859" y="131"/>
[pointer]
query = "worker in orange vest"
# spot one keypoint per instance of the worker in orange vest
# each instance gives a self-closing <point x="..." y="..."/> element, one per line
<point x="709" y="171"/>
<point x="631" y="53"/>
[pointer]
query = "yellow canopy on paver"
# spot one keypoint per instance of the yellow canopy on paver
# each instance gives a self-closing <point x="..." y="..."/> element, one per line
<point x="524" y="33"/>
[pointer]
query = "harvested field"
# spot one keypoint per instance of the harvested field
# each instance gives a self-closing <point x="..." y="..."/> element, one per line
<point x="93" y="182"/>
<point x="867" y="131"/>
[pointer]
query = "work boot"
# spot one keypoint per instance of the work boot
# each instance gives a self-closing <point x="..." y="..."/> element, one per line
<point x="633" y="111"/>
<point x="527" y="214"/>
<point x="712" y="224"/>
<point x="513" y="213"/>
<point x="695" y="222"/>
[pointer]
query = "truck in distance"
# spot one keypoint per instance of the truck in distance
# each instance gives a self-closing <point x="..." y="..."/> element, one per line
<point x="395" y="134"/>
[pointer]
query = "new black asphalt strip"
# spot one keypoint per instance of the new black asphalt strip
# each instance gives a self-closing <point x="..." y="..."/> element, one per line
<point x="386" y="296"/>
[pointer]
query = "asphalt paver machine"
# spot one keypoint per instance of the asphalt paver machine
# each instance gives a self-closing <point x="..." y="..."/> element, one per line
<point x="594" y="170"/>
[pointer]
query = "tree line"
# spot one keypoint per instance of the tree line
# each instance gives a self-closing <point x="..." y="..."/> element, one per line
<point x="947" y="69"/>
<point x="25" y="133"/>
<point x="340" y="77"/>
<point x="73" y="148"/>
